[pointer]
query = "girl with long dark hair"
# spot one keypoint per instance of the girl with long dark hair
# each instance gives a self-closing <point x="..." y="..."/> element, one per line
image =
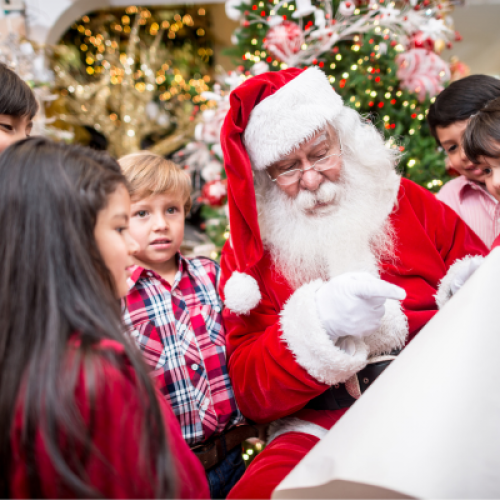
<point x="79" y="416"/>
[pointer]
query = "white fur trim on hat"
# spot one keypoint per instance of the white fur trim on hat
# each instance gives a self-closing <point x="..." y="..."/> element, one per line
<point x="311" y="345"/>
<point x="292" y="424"/>
<point x="444" y="292"/>
<point x="241" y="293"/>
<point x="392" y="332"/>
<point x="293" y="114"/>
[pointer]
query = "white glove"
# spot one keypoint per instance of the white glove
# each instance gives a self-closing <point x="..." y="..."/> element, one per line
<point x="466" y="271"/>
<point x="353" y="304"/>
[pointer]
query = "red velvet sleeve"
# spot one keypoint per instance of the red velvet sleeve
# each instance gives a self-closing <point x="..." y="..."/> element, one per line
<point x="452" y="237"/>
<point x="267" y="381"/>
<point x="496" y="243"/>
<point x="430" y="237"/>
<point x="117" y="436"/>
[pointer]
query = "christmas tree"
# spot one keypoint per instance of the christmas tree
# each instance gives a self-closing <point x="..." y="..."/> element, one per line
<point x="381" y="56"/>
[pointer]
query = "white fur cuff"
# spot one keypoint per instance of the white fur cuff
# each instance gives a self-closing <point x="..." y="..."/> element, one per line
<point x="444" y="292"/>
<point x="392" y="332"/>
<point x="312" y="347"/>
<point x="241" y="293"/>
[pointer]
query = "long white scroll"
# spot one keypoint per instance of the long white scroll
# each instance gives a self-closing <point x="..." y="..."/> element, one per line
<point x="429" y="427"/>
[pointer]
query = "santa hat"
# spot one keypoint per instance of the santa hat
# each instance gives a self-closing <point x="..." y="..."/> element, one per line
<point x="270" y="115"/>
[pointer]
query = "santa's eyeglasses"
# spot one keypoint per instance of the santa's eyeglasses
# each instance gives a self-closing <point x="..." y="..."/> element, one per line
<point x="292" y="176"/>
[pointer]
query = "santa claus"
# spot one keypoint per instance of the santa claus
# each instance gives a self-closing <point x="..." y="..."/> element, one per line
<point x="333" y="265"/>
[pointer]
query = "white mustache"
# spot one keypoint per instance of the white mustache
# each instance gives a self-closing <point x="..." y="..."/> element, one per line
<point x="326" y="193"/>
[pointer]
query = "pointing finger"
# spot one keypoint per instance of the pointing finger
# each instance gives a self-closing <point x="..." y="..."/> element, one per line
<point x="378" y="289"/>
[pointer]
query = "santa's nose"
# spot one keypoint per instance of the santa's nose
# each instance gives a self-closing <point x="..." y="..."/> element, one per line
<point x="311" y="180"/>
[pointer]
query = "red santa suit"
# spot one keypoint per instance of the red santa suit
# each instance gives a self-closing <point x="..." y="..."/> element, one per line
<point x="280" y="356"/>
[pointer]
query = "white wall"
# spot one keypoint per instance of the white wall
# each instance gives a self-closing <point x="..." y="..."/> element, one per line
<point x="479" y="25"/>
<point x="49" y="19"/>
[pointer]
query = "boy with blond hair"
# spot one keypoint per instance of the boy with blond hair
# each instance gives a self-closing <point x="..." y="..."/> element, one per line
<point x="174" y="313"/>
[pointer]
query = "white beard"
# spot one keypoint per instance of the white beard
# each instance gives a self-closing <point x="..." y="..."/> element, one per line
<point x="352" y="234"/>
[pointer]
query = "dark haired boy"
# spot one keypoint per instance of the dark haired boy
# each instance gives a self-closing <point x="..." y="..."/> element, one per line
<point x="18" y="106"/>
<point x="448" y="117"/>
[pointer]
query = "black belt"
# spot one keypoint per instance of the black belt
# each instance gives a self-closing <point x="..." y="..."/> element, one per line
<point x="337" y="396"/>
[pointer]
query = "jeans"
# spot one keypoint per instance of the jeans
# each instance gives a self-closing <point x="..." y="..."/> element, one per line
<point x="223" y="476"/>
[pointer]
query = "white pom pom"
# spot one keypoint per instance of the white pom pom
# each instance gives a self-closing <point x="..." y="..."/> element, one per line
<point x="241" y="293"/>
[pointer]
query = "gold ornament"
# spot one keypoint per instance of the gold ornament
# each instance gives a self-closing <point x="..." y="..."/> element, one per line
<point x="439" y="46"/>
<point x="117" y="104"/>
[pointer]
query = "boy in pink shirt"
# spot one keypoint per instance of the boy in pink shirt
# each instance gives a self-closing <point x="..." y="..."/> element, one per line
<point x="448" y="117"/>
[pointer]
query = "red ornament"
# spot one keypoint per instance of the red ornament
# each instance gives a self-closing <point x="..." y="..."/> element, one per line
<point x="380" y="104"/>
<point x="370" y="104"/>
<point x="417" y="41"/>
<point x="393" y="101"/>
<point x="214" y="193"/>
<point x="458" y="37"/>
<point x="284" y="40"/>
<point x="377" y="79"/>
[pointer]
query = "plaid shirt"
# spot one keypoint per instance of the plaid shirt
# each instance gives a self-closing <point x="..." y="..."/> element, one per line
<point x="180" y="332"/>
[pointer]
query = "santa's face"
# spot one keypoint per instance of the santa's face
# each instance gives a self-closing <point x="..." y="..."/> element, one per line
<point x="338" y="223"/>
<point x="308" y="172"/>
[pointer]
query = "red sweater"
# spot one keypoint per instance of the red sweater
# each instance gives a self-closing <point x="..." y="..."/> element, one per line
<point x="117" y="437"/>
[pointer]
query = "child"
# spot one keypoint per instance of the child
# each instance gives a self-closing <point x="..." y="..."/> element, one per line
<point x="79" y="416"/>
<point x="482" y="144"/>
<point x="176" y="313"/>
<point x="447" y="118"/>
<point x="18" y="106"/>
